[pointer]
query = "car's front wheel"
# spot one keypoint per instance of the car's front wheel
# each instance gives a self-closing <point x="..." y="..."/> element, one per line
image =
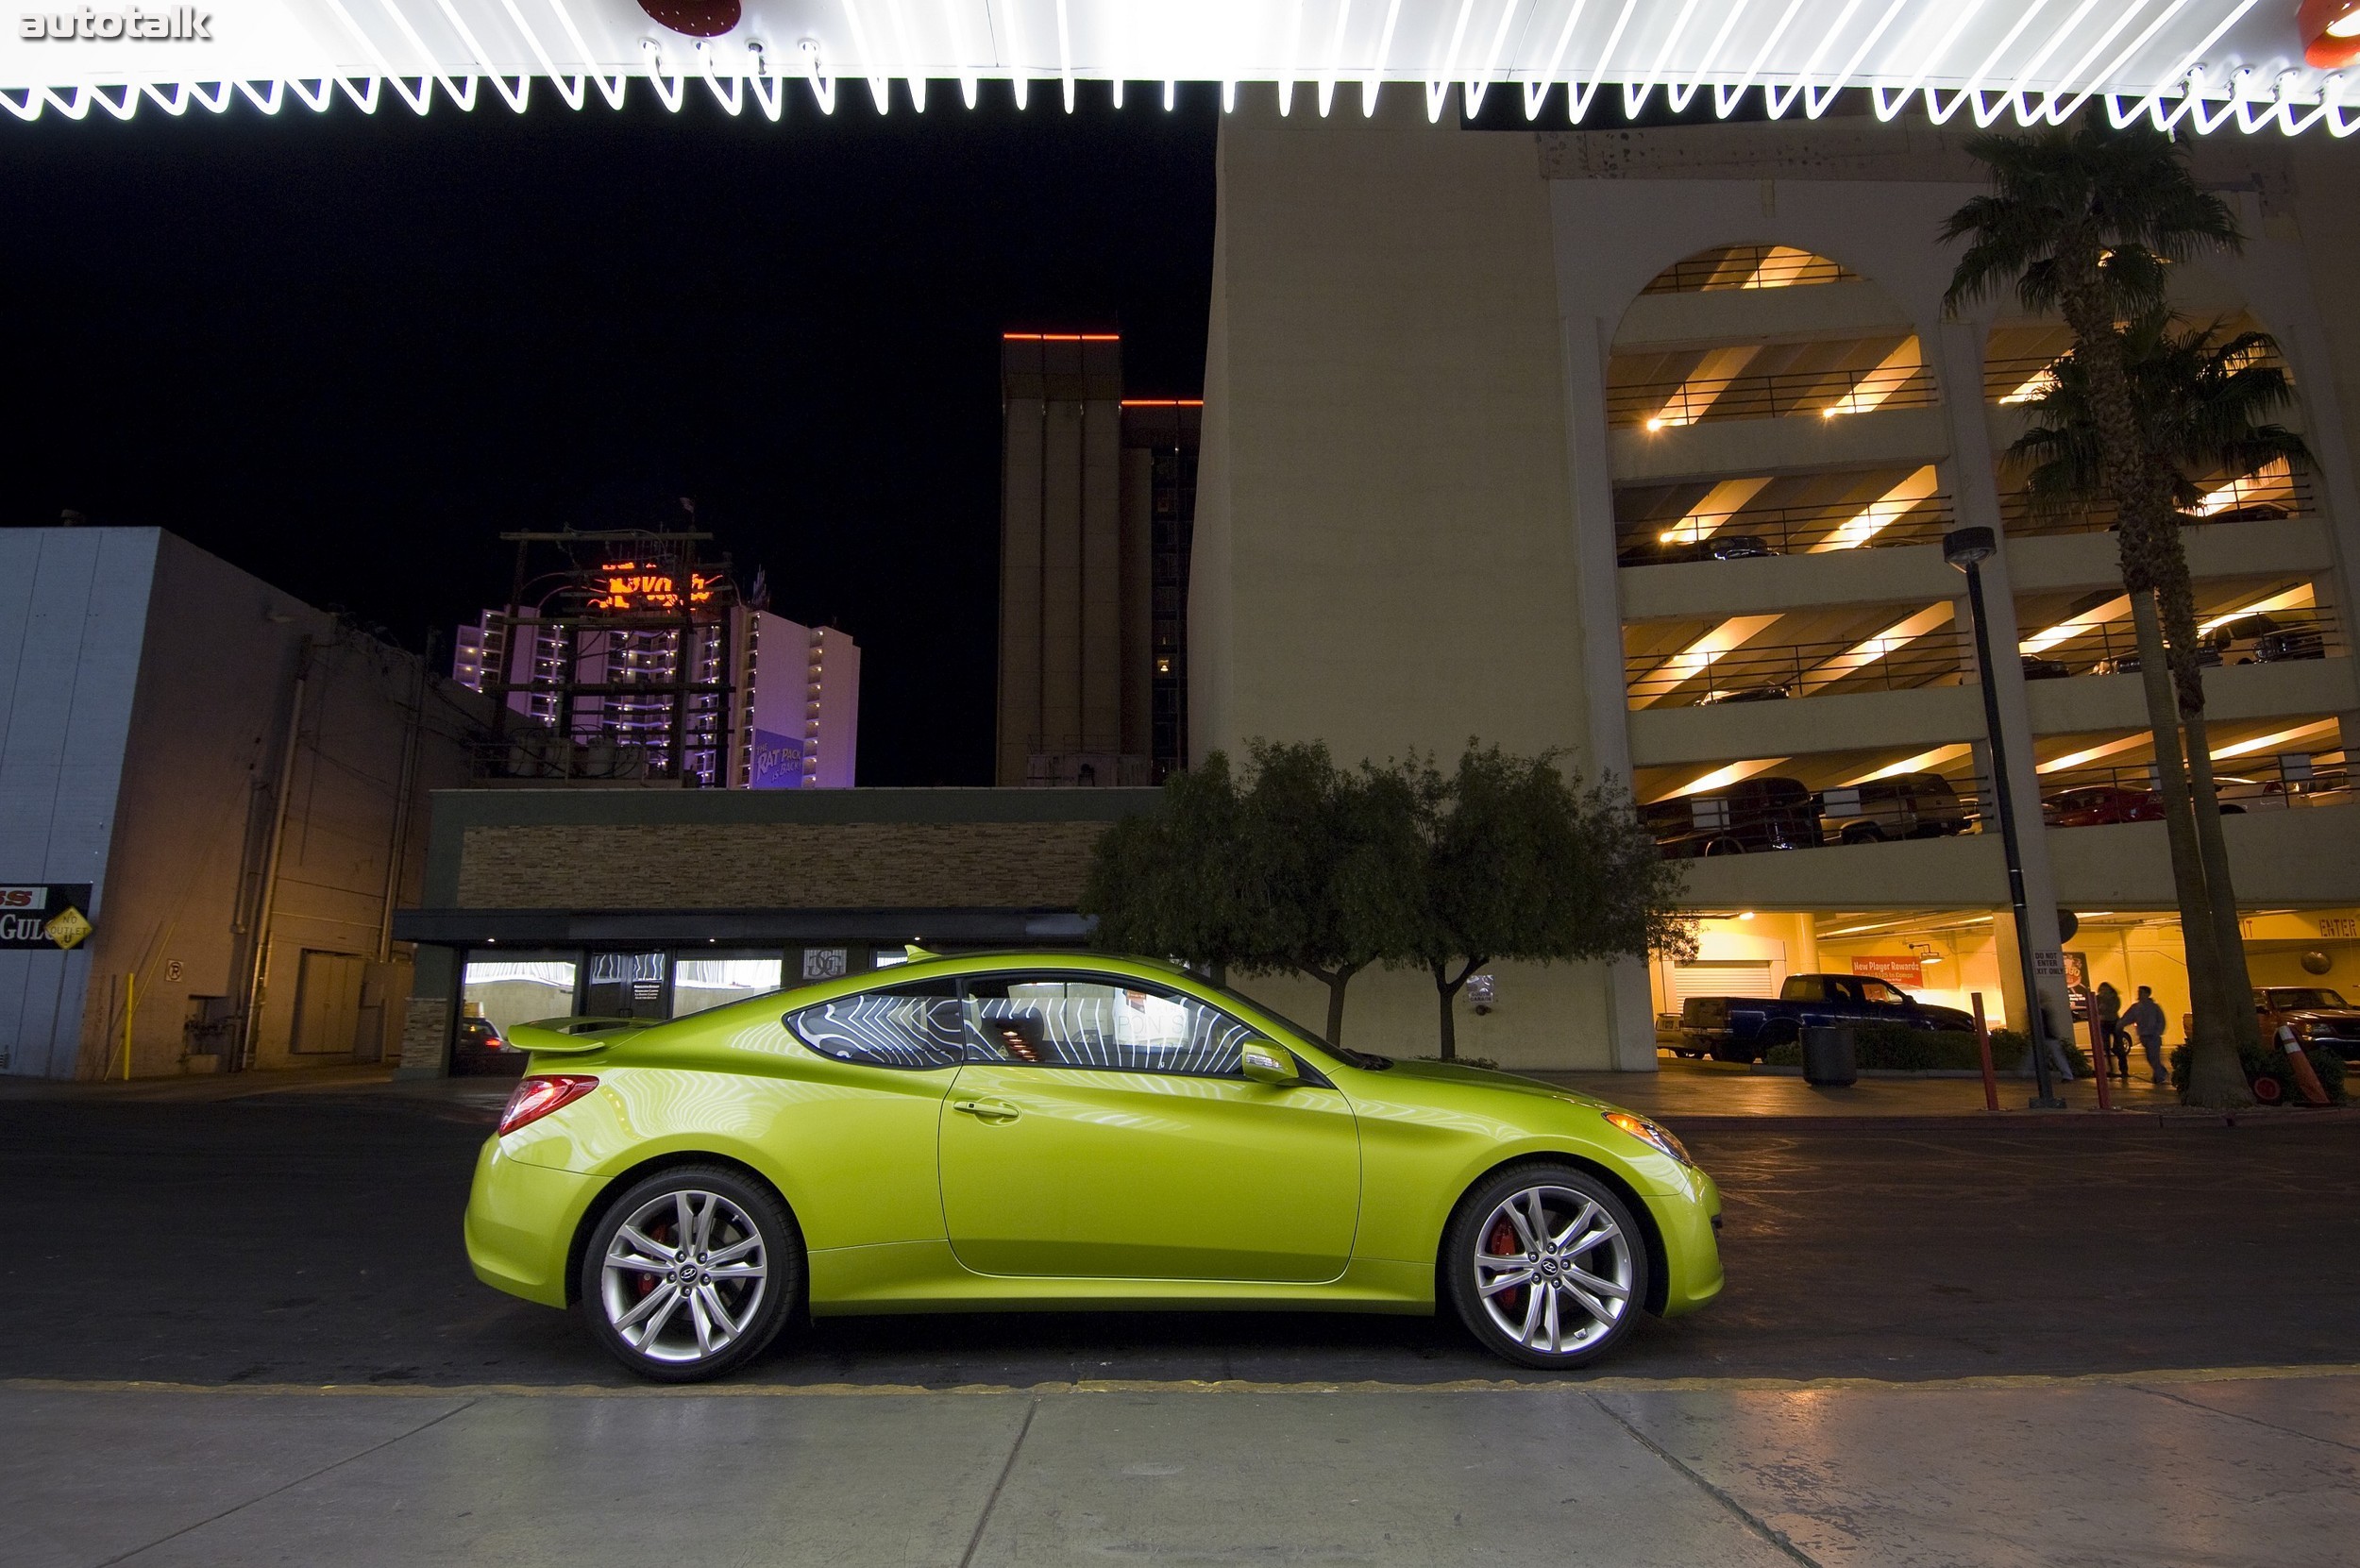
<point x="690" y="1273"/>
<point x="1547" y="1266"/>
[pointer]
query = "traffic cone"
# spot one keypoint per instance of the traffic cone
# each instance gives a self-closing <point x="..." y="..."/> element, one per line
<point x="2305" y="1079"/>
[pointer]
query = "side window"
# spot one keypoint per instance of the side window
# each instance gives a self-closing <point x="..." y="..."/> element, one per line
<point x="908" y="1026"/>
<point x="1876" y="991"/>
<point x="1122" y="1026"/>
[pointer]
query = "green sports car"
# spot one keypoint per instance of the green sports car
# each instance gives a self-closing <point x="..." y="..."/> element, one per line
<point x="1061" y="1132"/>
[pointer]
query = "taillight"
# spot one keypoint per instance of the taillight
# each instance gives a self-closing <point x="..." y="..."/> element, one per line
<point x="534" y="1098"/>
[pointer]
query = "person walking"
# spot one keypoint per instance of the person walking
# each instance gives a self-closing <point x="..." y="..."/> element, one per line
<point x="2148" y="1020"/>
<point x="2107" y="1005"/>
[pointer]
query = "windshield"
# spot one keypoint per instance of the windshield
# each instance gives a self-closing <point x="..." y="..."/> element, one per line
<point x="1366" y="1060"/>
<point x="2307" y="996"/>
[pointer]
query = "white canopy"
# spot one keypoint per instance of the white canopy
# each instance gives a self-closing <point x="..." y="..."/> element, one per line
<point x="2208" y="62"/>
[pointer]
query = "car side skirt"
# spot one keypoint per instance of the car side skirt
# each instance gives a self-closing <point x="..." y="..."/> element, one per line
<point x="924" y="1277"/>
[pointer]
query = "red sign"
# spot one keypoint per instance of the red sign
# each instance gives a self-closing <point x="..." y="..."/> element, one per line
<point x="1909" y="972"/>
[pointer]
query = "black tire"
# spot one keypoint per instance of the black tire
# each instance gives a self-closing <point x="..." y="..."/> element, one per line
<point x="747" y="1227"/>
<point x="1563" y="1189"/>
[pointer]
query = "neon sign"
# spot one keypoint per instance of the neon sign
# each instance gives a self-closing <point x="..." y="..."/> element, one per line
<point x="647" y="585"/>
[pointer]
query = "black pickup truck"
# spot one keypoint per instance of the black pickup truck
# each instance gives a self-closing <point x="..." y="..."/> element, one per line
<point x="1742" y="1028"/>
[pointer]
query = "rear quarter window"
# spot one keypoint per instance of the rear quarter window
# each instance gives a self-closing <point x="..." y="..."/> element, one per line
<point x="914" y="1027"/>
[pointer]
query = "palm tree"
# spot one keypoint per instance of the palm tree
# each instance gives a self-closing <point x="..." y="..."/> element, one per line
<point x="2203" y="404"/>
<point x="2079" y="222"/>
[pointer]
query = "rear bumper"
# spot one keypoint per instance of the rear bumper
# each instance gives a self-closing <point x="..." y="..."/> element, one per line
<point x="520" y="1225"/>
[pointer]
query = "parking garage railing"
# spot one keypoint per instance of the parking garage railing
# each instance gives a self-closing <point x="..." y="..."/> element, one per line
<point x="2257" y="637"/>
<point x="2091" y="796"/>
<point x="1781" y="530"/>
<point x="2255" y="498"/>
<point x="1657" y="405"/>
<point x="1678" y="680"/>
<point x="1772" y="813"/>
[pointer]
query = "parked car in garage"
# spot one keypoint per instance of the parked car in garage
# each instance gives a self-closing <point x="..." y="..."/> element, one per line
<point x="1720" y="546"/>
<point x="1752" y="814"/>
<point x="2128" y="664"/>
<point x="2097" y="806"/>
<point x="2038" y="668"/>
<point x="1907" y="805"/>
<point x="2253" y="512"/>
<point x="2287" y="645"/>
<point x="1745" y="694"/>
<point x="1743" y="1028"/>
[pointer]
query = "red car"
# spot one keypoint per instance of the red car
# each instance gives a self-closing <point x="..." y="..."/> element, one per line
<point x="2097" y="805"/>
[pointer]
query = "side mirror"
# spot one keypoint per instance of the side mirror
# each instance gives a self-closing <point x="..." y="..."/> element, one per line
<point x="1265" y="1063"/>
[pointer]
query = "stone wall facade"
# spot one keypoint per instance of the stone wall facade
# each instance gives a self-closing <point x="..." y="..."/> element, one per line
<point x="777" y="866"/>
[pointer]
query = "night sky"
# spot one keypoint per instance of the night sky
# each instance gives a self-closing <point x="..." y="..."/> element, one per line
<point x="345" y="352"/>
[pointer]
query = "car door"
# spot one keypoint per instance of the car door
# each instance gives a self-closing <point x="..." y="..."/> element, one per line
<point x="1101" y="1127"/>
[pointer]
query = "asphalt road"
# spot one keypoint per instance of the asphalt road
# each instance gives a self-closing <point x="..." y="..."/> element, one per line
<point x="295" y="1239"/>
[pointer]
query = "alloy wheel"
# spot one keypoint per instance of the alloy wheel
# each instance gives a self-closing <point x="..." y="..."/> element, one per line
<point x="1553" y="1269"/>
<point x="684" y="1276"/>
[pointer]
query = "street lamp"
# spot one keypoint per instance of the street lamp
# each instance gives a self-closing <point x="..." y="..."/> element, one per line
<point x="1968" y="549"/>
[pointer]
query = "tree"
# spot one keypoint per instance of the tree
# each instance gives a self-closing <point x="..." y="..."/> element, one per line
<point x="1173" y="883"/>
<point x="2203" y="404"/>
<point x="2081" y="222"/>
<point x="1297" y="867"/>
<point x="1520" y="863"/>
<point x="1331" y="859"/>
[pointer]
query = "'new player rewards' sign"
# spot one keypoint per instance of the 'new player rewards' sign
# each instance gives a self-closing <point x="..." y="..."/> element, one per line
<point x="44" y="915"/>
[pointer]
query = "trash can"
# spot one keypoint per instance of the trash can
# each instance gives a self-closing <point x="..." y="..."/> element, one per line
<point x="1827" y="1057"/>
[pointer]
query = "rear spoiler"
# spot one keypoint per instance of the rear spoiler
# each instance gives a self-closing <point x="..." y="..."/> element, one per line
<point x="558" y="1036"/>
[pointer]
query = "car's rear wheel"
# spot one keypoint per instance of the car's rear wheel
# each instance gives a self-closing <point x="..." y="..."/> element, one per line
<point x="1547" y="1266"/>
<point x="690" y="1273"/>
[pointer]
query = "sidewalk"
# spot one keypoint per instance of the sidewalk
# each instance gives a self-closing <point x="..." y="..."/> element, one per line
<point x="1723" y="1096"/>
<point x="467" y="1098"/>
<point x="2227" y="1469"/>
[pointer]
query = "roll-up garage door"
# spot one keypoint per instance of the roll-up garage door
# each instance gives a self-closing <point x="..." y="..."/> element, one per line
<point x="1721" y="979"/>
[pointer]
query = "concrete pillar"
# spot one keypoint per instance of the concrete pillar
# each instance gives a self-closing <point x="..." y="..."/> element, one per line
<point x="1061" y="577"/>
<point x="1956" y="355"/>
<point x="1099" y="484"/>
<point x="1137" y="569"/>
<point x="1630" y="1000"/>
<point x="1020" y="584"/>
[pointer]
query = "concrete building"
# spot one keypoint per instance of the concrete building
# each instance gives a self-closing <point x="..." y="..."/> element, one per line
<point x="1462" y="388"/>
<point x="1097" y="502"/>
<point x="229" y="785"/>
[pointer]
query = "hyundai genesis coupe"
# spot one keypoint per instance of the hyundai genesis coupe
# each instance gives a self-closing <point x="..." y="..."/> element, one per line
<point x="1061" y="1132"/>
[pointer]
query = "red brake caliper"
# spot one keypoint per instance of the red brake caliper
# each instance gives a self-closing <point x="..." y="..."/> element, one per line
<point x="1502" y="1243"/>
<point x="644" y="1282"/>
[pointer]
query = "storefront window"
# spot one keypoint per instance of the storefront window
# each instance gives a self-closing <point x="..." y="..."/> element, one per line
<point x="520" y="988"/>
<point x="626" y="985"/>
<point x="707" y="982"/>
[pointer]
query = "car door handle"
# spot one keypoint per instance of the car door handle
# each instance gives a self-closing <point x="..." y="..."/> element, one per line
<point x="988" y="1110"/>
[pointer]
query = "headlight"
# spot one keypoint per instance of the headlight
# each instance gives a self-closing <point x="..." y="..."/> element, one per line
<point x="1648" y="1133"/>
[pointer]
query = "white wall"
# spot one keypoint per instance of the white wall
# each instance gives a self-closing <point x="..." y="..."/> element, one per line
<point x="72" y="608"/>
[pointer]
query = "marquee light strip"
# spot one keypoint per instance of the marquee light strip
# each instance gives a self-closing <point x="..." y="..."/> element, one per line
<point x="2207" y="63"/>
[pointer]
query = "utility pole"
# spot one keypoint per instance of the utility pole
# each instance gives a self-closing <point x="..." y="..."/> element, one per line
<point x="1968" y="549"/>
